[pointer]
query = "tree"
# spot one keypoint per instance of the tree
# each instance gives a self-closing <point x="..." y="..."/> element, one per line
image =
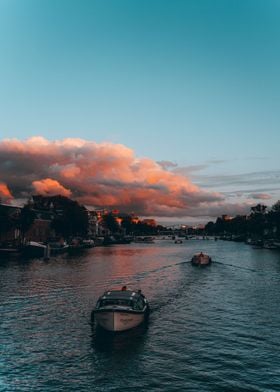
<point x="257" y="220"/>
<point x="274" y="219"/>
<point x="127" y="225"/>
<point x="259" y="209"/>
<point x="6" y="221"/>
<point x="71" y="219"/>
<point x="238" y="225"/>
<point x="220" y="226"/>
<point x="26" y="219"/>
<point x="276" y="207"/>
<point x="111" y="223"/>
<point x="210" y="228"/>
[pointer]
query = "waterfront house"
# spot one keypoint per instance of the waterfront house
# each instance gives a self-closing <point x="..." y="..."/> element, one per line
<point x="9" y="228"/>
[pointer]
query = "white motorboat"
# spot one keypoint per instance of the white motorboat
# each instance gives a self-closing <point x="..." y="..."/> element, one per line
<point x="201" y="259"/>
<point x="120" y="310"/>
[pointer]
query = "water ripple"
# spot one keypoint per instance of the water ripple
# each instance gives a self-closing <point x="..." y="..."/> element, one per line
<point x="213" y="329"/>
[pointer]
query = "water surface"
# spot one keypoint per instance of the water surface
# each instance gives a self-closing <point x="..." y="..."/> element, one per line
<point x="210" y="329"/>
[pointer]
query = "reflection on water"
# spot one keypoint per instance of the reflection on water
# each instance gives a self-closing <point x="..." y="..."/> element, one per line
<point x="217" y="326"/>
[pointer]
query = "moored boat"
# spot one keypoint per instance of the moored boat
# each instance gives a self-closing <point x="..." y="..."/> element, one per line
<point x="9" y="251"/>
<point x="89" y="243"/>
<point x="201" y="259"/>
<point x="269" y="244"/>
<point x="120" y="310"/>
<point x="33" y="249"/>
<point x="58" y="249"/>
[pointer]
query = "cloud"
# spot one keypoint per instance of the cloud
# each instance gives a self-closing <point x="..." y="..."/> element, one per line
<point x="260" y="196"/>
<point x="191" y="170"/>
<point x="49" y="187"/>
<point x="188" y="170"/>
<point x="208" y="211"/>
<point x="101" y="175"/>
<point x="262" y="178"/>
<point x="167" y="164"/>
<point x="5" y="193"/>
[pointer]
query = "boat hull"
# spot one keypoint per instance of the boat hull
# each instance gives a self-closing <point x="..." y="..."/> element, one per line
<point x="34" y="250"/>
<point x="8" y="252"/>
<point x="201" y="260"/>
<point x="118" y="320"/>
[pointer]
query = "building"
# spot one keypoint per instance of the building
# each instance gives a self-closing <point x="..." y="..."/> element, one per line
<point x="149" y="222"/>
<point x="9" y="223"/>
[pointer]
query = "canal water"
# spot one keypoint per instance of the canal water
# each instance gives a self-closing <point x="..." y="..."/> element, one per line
<point x="210" y="329"/>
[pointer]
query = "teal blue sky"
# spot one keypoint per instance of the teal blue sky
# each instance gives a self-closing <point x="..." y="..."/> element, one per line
<point x="194" y="82"/>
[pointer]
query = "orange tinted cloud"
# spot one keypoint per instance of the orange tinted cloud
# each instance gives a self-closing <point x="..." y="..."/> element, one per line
<point x="4" y="191"/>
<point x="100" y="175"/>
<point x="49" y="187"/>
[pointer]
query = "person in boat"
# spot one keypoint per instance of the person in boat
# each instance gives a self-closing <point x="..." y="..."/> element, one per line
<point x="140" y="293"/>
<point x="124" y="288"/>
<point x="201" y="254"/>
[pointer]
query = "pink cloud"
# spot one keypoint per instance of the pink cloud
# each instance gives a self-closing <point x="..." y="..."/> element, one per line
<point x="49" y="187"/>
<point x="101" y="175"/>
<point x="70" y="171"/>
<point x="260" y="196"/>
<point x="5" y="192"/>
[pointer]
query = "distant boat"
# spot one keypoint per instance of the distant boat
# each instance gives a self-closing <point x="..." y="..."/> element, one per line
<point x="76" y="246"/>
<point x="257" y="244"/>
<point x="57" y="248"/>
<point x="269" y="244"/>
<point x="88" y="243"/>
<point x="120" y="310"/>
<point x="201" y="259"/>
<point x="178" y="241"/>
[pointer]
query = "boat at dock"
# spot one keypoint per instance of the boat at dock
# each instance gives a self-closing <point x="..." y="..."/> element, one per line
<point x="89" y="243"/>
<point x="33" y="249"/>
<point x="10" y="252"/>
<point x="58" y="248"/>
<point x="269" y="244"/>
<point x="120" y="310"/>
<point x="201" y="259"/>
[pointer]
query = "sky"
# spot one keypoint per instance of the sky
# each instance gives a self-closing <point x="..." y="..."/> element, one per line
<point x="167" y="109"/>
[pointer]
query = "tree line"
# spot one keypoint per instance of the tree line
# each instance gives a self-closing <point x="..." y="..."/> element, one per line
<point x="67" y="219"/>
<point x="260" y="223"/>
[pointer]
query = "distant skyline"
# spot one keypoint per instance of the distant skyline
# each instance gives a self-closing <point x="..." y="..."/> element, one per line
<point x="180" y="97"/>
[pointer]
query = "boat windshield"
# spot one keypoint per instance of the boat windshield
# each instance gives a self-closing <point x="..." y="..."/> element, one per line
<point x="121" y="302"/>
<point x="139" y="304"/>
<point x="135" y="304"/>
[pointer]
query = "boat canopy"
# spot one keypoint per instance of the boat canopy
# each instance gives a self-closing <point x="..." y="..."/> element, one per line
<point x="121" y="294"/>
<point x="115" y="301"/>
<point x="128" y="298"/>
